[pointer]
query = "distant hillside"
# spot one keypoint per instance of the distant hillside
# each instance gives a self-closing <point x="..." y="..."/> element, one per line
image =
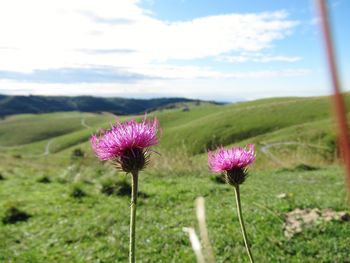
<point x="10" y="105"/>
<point x="285" y="130"/>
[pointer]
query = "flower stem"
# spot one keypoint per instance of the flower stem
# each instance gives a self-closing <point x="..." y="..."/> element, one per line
<point x="134" y="182"/>
<point x="240" y="218"/>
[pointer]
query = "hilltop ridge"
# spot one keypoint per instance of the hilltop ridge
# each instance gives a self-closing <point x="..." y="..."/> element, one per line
<point x="11" y="105"/>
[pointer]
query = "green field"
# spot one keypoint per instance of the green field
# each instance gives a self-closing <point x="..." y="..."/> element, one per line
<point x="73" y="219"/>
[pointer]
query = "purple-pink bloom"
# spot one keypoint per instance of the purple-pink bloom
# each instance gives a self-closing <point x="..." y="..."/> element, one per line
<point x="122" y="137"/>
<point x="223" y="160"/>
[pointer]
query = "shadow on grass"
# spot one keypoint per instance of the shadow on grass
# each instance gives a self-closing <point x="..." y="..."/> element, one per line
<point x="299" y="168"/>
<point x="44" y="179"/>
<point x="119" y="188"/>
<point x="14" y="215"/>
<point x="77" y="191"/>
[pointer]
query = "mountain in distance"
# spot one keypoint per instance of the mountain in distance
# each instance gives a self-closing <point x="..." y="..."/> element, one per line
<point x="10" y="105"/>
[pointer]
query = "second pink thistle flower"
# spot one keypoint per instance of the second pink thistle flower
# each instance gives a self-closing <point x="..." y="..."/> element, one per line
<point x="233" y="162"/>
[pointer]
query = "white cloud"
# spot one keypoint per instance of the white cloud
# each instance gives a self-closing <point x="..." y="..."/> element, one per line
<point x="41" y="34"/>
<point x="193" y="72"/>
<point x="258" y="57"/>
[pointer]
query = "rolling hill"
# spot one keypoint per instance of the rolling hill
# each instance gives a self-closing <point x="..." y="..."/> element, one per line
<point x="192" y="131"/>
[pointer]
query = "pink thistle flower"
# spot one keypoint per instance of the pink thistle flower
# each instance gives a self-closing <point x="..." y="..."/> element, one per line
<point x="126" y="144"/>
<point x="233" y="162"/>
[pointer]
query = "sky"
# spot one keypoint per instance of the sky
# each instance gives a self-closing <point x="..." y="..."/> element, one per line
<point x="227" y="50"/>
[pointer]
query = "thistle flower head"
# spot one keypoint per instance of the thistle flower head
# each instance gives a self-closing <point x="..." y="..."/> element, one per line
<point x="126" y="144"/>
<point x="233" y="162"/>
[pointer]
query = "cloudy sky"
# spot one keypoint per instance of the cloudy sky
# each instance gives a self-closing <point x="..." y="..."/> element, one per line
<point x="226" y="50"/>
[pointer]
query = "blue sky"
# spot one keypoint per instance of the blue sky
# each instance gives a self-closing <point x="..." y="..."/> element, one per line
<point x="225" y="50"/>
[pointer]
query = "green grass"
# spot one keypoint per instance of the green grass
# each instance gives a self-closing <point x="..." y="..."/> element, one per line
<point x="94" y="227"/>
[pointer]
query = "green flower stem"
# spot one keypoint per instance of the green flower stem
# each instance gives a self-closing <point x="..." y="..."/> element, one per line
<point x="134" y="183"/>
<point x="240" y="218"/>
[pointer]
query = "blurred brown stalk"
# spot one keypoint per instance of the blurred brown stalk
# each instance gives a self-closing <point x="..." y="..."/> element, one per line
<point x="338" y="100"/>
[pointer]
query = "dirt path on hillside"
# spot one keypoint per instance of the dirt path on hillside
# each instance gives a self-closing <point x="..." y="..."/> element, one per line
<point x="265" y="149"/>
<point x="46" y="150"/>
<point x="47" y="146"/>
<point x="83" y="123"/>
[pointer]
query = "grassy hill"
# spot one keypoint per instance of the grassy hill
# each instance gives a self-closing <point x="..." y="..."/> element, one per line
<point x="296" y="156"/>
<point x="194" y="130"/>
